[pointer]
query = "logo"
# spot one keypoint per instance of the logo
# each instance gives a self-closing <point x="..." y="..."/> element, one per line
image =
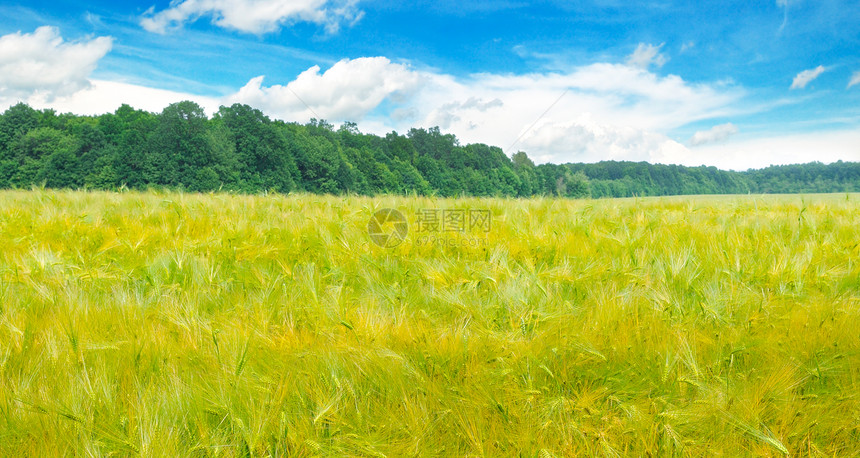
<point x="387" y="228"/>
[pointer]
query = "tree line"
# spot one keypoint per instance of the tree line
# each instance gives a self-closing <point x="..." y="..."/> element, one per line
<point x="240" y="149"/>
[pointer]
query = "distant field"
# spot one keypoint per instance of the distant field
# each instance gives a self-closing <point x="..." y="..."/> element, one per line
<point x="216" y="325"/>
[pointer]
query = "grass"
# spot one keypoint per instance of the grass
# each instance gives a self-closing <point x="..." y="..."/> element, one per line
<point x="215" y="325"/>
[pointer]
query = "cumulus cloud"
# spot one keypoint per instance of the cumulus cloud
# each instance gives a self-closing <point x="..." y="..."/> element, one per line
<point x="592" y="112"/>
<point x="347" y="91"/>
<point x="479" y="104"/>
<point x="44" y="71"/>
<point x="714" y="134"/>
<point x="254" y="16"/>
<point x="612" y="93"/>
<point x="587" y="140"/>
<point x="618" y="111"/>
<point x="855" y="79"/>
<point x="445" y="115"/>
<point x="807" y="76"/>
<point x="106" y="96"/>
<point x="41" y="66"/>
<point x="826" y="146"/>
<point x="646" y="55"/>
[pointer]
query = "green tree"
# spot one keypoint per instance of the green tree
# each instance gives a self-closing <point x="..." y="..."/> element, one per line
<point x="44" y="154"/>
<point x="60" y="169"/>
<point x="178" y="141"/>
<point x="263" y="152"/>
<point x="129" y="131"/>
<point x="408" y="178"/>
<point x="15" y="122"/>
<point x="182" y="144"/>
<point x="399" y="146"/>
<point x="319" y="162"/>
<point x="525" y="170"/>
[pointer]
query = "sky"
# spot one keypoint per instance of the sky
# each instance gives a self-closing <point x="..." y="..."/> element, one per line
<point x="732" y="84"/>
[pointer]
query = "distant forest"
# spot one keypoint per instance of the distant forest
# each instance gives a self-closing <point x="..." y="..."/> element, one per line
<point x="242" y="150"/>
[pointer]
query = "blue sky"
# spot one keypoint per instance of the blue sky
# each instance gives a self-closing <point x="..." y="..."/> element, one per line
<point x="735" y="84"/>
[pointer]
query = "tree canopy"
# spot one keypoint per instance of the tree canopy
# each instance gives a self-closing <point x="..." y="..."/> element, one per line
<point x="240" y="149"/>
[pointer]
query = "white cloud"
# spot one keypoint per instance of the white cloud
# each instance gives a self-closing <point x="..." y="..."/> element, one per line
<point x="44" y="71"/>
<point x="645" y="55"/>
<point x="254" y="16"/>
<point x="585" y="140"/>
<point x="784" y="4"/>
<point x="41" y="65"/>
<point x="347" y="91"/>
<point x="479" y="104"/>
<point x="606" y="110"/>
<point x="807" y="76"/>
<point x="827" y="146"/>
<point x="618" y="111"/>
<point x="445" y="114"/>
<point x="106" y="96"/>
<point x="855" y="79"/>
<point x="714" y="134"/>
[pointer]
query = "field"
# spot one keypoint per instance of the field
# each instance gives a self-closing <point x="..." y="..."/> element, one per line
<point x="162" y="324"/>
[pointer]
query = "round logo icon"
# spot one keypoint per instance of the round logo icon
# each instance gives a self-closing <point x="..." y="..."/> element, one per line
<point x="387" y="228"/>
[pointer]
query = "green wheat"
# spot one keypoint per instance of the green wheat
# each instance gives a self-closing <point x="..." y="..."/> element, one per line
<point x="167" y="324"/>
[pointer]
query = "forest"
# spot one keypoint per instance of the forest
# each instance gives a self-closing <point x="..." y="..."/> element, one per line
<point x="239" y="149"/>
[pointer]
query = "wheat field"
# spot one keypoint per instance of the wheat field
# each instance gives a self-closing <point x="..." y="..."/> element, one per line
<point x="169" y="324"/>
